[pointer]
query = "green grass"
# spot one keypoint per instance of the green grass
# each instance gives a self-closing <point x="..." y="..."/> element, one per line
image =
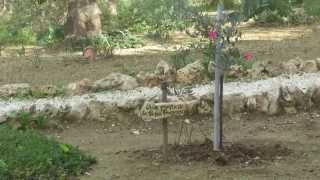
<point x="29" y="155"/>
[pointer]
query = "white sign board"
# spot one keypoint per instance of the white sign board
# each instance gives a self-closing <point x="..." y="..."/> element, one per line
<point x="155" y="111"/>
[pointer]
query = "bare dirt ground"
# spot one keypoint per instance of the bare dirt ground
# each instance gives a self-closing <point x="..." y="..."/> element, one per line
<point x="256" y="147"/>
<point x="276" y="44"/>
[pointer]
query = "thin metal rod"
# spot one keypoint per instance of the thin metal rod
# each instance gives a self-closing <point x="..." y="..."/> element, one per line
<point x="217" y="107"/>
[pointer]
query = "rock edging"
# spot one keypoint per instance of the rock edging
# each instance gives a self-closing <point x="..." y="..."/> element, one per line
<point x="286" y="93"/>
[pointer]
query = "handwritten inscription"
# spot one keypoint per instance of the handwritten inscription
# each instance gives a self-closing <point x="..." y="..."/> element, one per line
<point x="154" y="111"/>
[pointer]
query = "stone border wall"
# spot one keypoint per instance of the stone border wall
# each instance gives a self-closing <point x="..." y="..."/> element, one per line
<point x="283" y="94"/>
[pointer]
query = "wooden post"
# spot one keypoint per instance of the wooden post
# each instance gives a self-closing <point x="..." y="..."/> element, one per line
<point x="164" y="89"/>
<point x="218" y="96"/>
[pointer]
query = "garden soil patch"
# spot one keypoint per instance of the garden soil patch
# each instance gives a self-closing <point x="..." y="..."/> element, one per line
<point x="256" y="147"/>
<point x="272" y="44"/>
<point x="235" y="153"/>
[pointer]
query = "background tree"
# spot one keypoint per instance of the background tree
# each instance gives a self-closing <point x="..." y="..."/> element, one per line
<point x="83" y="18"/>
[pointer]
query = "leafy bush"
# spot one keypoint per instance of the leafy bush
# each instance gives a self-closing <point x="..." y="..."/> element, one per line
<point x="12" y="35"/>
<point x="299" y="16"/>
<point x="228" y="4"/>
<point x="29" y="155"/>
<point x="268" y="17"/>
<point x="312" y="7"/>
<point x="107" y="42"/>
<point x="157" y="17"/>
<point x="109" y="23"/>
<point x="209" y="34"/>
<point x="283" y="7"/>
<point x="103" y="44"/>
<point x="281" y="11"/>
<point x="3" y="37"/>
<point x="28" y="21"/>
<point x="252" y="8"/>
<point x="124" y="39"/>
<point x="4" y="33"/>
<point x="53" y="34"/>
<point x="26" y="120"/>
<point x="37" y="93"/>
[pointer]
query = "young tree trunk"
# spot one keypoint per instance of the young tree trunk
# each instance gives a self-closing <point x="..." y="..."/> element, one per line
<point x="3" y="6"/>
<point x="83" y="19"/>
<point x="112" y="6"/>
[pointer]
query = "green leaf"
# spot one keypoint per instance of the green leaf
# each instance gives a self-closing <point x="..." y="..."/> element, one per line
<point x="3" y="165"/>
<point x="64" y="148"/>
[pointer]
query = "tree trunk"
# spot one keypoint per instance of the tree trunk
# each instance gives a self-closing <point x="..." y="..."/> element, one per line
<point x="83" y="19"/>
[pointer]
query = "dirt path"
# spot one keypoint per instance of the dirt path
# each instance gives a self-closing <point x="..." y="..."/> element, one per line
<point x="115" y="144"/>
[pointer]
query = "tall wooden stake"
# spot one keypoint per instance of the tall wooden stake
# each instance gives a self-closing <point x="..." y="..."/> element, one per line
<point x="217" y="109"/>
<point x="164" y="89"/>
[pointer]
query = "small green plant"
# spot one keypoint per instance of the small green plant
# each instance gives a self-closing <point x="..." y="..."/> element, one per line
<point x="27" y="120"/>
<point x="103" y="45"/>
<point x="37" y="93"/>
<point x="46" y="91"/>
<point x="29" y="155"/>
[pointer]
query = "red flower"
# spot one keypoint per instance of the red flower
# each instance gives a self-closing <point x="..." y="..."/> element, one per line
<point x="247" y="56"/>
<point x="212" y="35"/>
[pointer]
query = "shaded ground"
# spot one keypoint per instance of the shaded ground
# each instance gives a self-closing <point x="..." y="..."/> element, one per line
<point x="275" y="44"/>
<point x="257" y="147"/>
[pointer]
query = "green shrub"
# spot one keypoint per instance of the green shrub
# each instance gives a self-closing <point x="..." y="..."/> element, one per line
<point x="37" y="93"/>
<point x="252" y="8"/>
<point x="26" y="120"/>
<point x="157" y="17"/>
<point x="124" y="39"/>
<point x="312" y="7"/>
<point x="106" y="43"/>
<point x="17" y="36"/>
<point x="53" y="34"/>
<point x="228" y="4"/>
<point x="109" y="23"/>
<point x="182" y="57"/>
<point x="268" y="17"/>
<point x="29" y="155"/>
<point x="283" y="7"/>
